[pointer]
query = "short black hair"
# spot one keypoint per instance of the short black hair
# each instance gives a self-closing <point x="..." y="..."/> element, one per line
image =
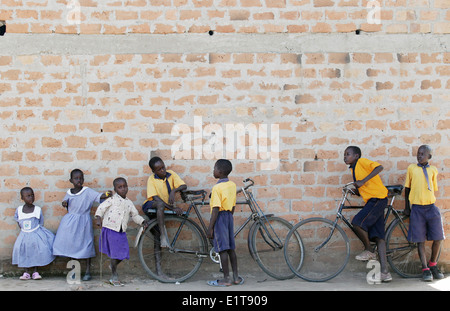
<point x="427" y="148"/>
<point x="74" y="171"/>
<point x="224" y="166"/>
<point x="355" y="149"/>
<point x="117" y="180"/>
<point x="153" y="161"/>
<point x="25" y="189"/>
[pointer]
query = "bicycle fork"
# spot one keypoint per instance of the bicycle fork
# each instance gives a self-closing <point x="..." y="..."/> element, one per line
<point x="318" y="248"/>
<point x="338" y="216"/>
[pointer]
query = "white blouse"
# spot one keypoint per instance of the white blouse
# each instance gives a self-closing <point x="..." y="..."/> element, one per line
<point x="116" y="212"/>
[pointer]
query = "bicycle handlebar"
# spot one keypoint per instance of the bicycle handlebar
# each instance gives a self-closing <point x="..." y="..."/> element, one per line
<point x="202" y="193"/>
<point x="248" y="186"/>
<point x="347" y="187"/>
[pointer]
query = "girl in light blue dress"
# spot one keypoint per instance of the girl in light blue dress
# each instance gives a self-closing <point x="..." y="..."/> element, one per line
<point x="33" y="247"/>
<point x="75" y="235"/>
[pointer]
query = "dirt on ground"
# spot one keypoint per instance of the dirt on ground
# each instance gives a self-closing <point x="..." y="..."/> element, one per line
<point x="347" y="281"/>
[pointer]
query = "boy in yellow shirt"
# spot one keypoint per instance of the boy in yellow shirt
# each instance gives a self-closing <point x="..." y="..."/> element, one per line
<point x="162" y="186"/>
<point x="221" y="227"/>
<point x="369" y="222"/>
<point x="425" y="221"/>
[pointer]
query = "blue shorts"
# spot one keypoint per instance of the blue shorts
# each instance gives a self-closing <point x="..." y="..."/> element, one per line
<point x="224" y="232"/>
<point x="147" y="205"/>
<point x="371" y="218"/>
<point x="425" y="223"/>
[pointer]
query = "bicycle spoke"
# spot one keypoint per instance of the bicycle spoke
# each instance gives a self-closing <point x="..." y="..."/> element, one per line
<point x="326" y="250"/>
<point x="267" y="246"/>
<point x="402" y="255"/>
<point x="182" y="259"/>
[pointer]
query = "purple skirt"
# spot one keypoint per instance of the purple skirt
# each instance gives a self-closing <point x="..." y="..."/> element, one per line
<point x="114" y="244"/>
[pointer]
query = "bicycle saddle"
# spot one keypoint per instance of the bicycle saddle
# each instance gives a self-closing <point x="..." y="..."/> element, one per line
<point x="394" y="189"/>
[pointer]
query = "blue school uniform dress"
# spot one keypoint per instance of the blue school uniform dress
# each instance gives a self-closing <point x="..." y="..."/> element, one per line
<point x="33" y="246"/>
<point x="75" y="235"/>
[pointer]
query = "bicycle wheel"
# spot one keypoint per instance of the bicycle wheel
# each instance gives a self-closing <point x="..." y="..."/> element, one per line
<point x="402" y="255"/>
<point x="179" y="262"/>
<point x="326" y="250"/>
<point x="266" y="242"/>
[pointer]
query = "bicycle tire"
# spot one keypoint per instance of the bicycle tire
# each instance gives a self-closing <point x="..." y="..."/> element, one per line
<point x="402" y="255"/>
<point x="266" y="242"/>
<point x="318" y="265"/>
<point x="176" y="266"/>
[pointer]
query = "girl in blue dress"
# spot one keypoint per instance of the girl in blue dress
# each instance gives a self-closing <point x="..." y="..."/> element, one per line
<point x="75" y="235"/>
<point x="33" y="247"/>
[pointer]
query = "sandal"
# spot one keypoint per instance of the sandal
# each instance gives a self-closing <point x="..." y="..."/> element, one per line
<point x="239" y="282"/>
<point x="216" y="283"/>
<point x="36" y="276"/>
<point x="25" y="276"/>
<point x="115" y="283"/>
<point x="87" y="277"/>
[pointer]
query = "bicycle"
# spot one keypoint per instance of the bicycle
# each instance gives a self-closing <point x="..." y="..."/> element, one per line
<point x="189" y="245"/>
<point x="327" y="247"/>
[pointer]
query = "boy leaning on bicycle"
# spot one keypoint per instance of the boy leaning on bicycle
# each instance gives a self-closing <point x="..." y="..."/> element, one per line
<point x="369" y="222"/>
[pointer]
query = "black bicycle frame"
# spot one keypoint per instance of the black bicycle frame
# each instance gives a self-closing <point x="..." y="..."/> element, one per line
<point x="339" y="215"/>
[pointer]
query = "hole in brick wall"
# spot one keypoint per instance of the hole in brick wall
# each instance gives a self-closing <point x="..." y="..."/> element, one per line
<point x="211" y="32"/>
<point x="2" y="28"/>
<point x="358" y="31"/>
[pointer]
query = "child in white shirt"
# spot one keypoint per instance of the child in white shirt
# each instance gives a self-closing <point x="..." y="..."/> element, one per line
<point x="116" y="212"/>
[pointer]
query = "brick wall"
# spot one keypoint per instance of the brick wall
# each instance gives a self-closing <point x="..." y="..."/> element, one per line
<point x="107" y="113"/>
<point x="225" y="16"/>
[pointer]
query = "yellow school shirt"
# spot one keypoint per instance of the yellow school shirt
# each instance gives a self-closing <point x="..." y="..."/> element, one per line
<point x="374" y="187"/>
<point x="158" y="187"/>
<point x="416" y="181"/>
<point x="223" y="195"/>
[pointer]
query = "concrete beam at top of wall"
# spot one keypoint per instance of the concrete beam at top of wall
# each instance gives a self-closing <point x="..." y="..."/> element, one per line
<point x="28" y="44"/>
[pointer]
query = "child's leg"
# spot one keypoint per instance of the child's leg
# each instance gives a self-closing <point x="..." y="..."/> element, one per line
<point x="114" y="264"/>
<point x="370" y="216"/>
<point x="156" y="244"/>
<point x="381" y="245"/>
<point x="233" y="261"/>
<point x="87" y="275"/>
<point x="432" y="264"/>
<point x="157" y="255"/>
<point x="159" y="206"/>
<point x="422" y="254"/>
<point x="225" y="268"/>
<point x="364" y="237"/>
<point x="435" y="251"/>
